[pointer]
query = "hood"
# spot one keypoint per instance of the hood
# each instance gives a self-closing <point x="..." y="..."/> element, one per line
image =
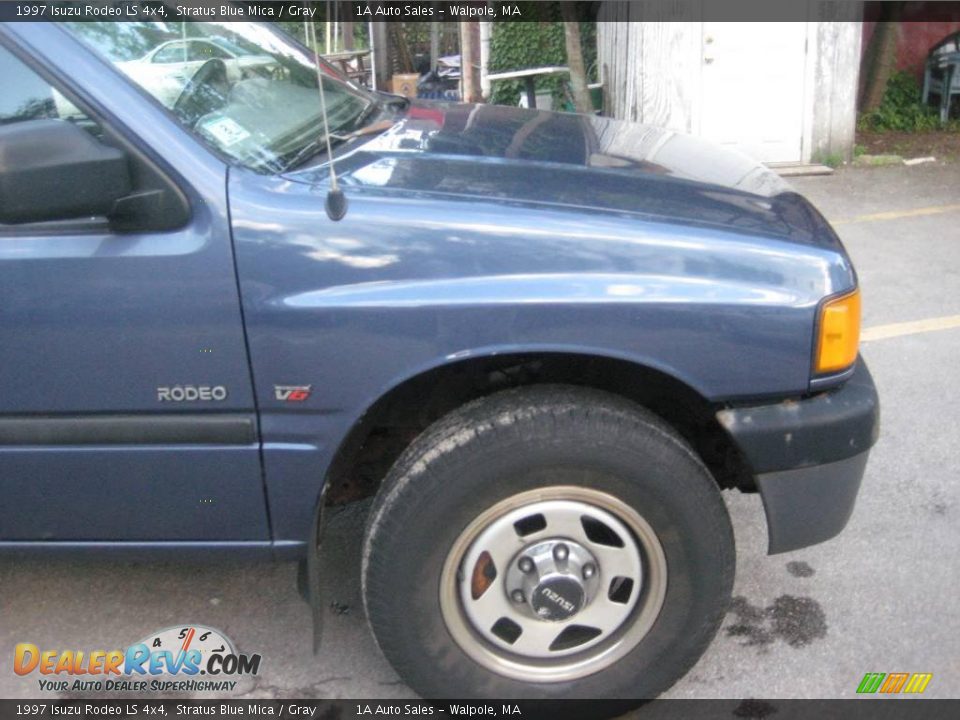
<point x="513" y="154"/>
<point x="587" y="141"/>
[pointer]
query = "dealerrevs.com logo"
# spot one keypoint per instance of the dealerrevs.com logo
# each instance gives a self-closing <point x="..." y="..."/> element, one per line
<point x="187" y="658"/>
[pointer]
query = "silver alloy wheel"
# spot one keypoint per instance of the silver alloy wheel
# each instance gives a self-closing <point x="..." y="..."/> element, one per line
<point x="553" y="584"/>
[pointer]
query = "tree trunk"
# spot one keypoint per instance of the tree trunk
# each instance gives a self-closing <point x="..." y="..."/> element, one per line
<point x="578" y="74"/>
<point x="469" y="61"/>
<point x="882" y="56"/>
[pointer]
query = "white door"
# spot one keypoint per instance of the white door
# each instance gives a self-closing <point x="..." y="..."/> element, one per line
<point x="753" y="87"/>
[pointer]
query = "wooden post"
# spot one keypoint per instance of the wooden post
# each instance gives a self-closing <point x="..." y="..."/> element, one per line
<point x="468" y="62"/>
<point x="380" y="60"/>
<point x="486" y="33"/>
<point x="578" y="74"/>
<point x="434" y="44"/>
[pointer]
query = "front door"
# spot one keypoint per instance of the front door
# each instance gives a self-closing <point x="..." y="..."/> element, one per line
<point x="126" y="408"/>
<point x="753" y="87"/>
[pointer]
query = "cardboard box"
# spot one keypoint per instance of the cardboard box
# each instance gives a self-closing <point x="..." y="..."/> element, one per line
<point x="405" y="84"/>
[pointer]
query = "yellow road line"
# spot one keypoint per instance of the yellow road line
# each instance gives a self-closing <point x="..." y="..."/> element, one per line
<point x="882" y="332"/>
<point x="897" y="214"/>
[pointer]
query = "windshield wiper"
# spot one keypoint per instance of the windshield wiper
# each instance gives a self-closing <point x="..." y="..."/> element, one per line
<point x="314" y="147"/>
<point x="378" y="104"/>
<point x="372" y="107"/>
<point x="320" y="144"/>
<point x="397" y="101"/>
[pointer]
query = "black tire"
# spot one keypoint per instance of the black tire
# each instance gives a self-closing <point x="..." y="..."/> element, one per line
<point x="501" y="445"/>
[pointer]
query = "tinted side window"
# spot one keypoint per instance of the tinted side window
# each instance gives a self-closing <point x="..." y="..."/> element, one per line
<point x="24" y="95"/>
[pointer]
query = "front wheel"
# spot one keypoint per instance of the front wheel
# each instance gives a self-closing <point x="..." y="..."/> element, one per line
<point x="547" y="542"/>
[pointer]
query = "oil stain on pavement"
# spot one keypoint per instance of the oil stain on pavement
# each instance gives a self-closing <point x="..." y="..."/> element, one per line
<point x="800" y="569"/>
<point x="797" y="621"/>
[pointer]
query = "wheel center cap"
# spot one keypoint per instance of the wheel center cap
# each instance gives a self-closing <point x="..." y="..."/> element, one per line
<point x="557" y="598"/>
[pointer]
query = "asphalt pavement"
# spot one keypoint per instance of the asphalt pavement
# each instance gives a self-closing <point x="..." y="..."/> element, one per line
<point x="881" y="597"/>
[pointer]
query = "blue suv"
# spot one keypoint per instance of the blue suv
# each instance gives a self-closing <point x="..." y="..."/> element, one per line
<point x="543" y="343"/>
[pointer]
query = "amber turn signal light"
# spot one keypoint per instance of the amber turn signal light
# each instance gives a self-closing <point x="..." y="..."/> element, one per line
<point x="839" y="334"/>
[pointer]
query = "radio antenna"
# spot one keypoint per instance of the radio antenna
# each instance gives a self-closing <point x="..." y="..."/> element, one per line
<point x="336" y="204"/>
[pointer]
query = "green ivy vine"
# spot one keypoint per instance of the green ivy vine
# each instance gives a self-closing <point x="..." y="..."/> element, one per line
<point x="520" y="45"/>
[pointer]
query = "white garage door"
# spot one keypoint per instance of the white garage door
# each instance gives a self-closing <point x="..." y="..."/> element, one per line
<point x="753" y="87"/>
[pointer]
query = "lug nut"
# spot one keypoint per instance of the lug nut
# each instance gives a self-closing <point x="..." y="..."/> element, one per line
<point x="517" y="596"/>
<point x="526" y="565"/>
<point x="561" y="552"/>
<point x="589" y="570"/>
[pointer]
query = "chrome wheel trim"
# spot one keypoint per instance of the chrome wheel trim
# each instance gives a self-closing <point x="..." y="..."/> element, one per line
<point x="641" y="558"/>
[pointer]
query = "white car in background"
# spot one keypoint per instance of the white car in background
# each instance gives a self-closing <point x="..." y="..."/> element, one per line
<point x="166" y="70"/>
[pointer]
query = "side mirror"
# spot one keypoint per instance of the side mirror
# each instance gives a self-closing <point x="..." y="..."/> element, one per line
<point x="53" y="170"/>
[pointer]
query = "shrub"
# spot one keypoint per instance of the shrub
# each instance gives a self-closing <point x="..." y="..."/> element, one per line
<point x="901" y="108"/>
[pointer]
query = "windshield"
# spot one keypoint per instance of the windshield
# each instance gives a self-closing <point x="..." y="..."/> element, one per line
<point x="246" y="89"/>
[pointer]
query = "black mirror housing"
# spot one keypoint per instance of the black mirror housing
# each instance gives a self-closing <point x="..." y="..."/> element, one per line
<point x="54" y="170"/>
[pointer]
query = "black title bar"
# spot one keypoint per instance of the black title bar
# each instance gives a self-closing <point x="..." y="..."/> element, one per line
<point x="466" y="10"/>
<point x="145" y="706"/>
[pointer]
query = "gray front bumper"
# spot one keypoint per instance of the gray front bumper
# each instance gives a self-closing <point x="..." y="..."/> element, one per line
<point x="808" y="457"/>
<point x="809" y="505"/>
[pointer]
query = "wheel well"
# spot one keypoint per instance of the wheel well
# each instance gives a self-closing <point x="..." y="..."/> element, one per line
<point x="395" y="420"/>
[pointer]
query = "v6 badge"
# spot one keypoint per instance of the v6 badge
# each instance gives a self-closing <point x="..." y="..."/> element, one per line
<point x="291" y="393"/>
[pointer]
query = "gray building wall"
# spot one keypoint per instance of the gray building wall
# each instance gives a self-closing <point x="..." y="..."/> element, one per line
<point x="652" y="62"/>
